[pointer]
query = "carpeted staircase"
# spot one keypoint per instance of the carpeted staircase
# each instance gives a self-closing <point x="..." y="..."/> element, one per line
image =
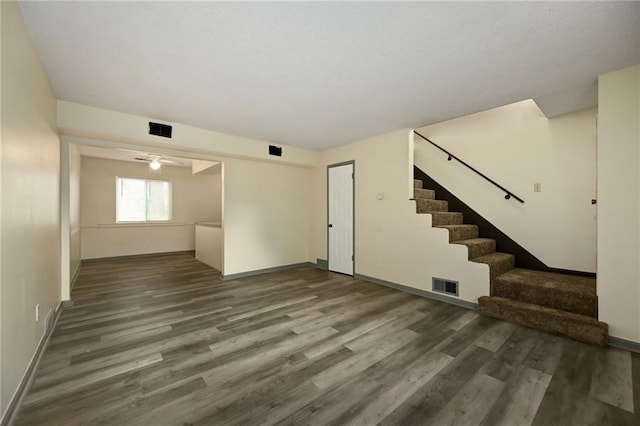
<point x="557" y="303"/>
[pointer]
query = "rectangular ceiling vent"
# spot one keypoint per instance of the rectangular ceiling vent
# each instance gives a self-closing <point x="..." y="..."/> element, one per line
<point x="444" y="286"/>
<point x="275" y="150"/>
<point x="158" y="129"/>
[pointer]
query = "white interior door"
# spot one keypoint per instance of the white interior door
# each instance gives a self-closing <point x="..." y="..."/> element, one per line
<point x="340" y="200"/>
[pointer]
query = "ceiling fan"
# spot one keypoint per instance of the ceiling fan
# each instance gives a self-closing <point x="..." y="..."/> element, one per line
<point x="156" y="161"/>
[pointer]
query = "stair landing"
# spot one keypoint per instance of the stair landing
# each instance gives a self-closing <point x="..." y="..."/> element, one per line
<point x="569" y="293"/>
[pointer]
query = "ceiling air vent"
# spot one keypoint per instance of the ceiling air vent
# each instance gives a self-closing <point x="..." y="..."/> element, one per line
<point x="275" y="150"/>
<point x="158" y="129"/>
<point x="444" y="286"/>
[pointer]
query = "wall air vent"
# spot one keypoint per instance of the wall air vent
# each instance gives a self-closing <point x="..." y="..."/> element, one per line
<point x="444" y="286"/>
<point x="275" y="150"/>
<point x="162" y="130"/>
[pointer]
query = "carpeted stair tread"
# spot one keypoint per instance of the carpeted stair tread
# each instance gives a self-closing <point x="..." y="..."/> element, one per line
<point x="558" y="291"/>
<point x="579" y="327"/>
<point x="461" y="232"/>
<point x="424" y="205"/>
<point x="428" y="194"/>
<point x="445" y="218"/>
<point x="478" y="246"/>
<point x="496" y="259"/>
<point x="578" y="284"/>
<point x="417" y="183"/>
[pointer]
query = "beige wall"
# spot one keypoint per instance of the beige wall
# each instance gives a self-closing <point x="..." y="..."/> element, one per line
<point x="266" y="215"/>
<point x="30" y="201"/>
<point x="74" y="209"/>
<point x="619" y="202"/>
<point x="410" y="251"/>
<point x="517" y="146"/>
<point x="196" y="198"/>
<point x="97" y="123"/>
<point x="2" y="403"/>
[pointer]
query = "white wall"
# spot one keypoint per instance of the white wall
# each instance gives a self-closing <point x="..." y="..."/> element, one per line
<point x="209" y="246"/>
<point x="266" y="215"/>
<point x="619" y="202"/>
<point x="196" y="198"/>
<point x="69" y="216"/>
<point x="411" y="252"/>
<point x="30" y="206"/>
<point x="74" y="209"/>
<point x="517" y="146"/>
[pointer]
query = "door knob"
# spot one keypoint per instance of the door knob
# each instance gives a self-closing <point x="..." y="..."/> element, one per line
<point x="330" y="225"/>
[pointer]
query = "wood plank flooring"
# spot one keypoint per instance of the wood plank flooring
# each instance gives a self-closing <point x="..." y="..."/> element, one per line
<point x="161" y="340"/>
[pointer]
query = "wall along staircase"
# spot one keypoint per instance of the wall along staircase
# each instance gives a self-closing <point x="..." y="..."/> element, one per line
<point x="557" y="303"/>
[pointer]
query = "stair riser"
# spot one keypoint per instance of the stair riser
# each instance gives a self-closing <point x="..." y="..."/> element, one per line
<point x="428" y="206"/>
<point x="550" y="297"/>
<point x="417" y="183"/>
<point x="584" y="329"/>
<point x="427" y="194"/>
<point x="449" y="218"/>
<point x="477" y="250"/>
<point x="498" y="267"/>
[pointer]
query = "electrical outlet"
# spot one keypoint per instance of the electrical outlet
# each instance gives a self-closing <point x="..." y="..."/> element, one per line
<point x="37" y="312"/>
<point x="537" y="187"/>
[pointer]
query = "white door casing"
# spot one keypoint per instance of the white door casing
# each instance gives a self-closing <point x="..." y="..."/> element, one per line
<point x="340" y="215"/>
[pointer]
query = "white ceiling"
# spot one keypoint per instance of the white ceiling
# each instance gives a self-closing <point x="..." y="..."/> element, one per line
<point x="321" y="74"/>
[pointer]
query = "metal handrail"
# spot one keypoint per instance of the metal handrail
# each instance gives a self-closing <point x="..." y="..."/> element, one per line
<point x="508" y="193"/>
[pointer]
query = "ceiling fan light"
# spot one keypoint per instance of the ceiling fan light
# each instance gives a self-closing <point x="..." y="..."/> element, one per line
<point x="154" y="164"/>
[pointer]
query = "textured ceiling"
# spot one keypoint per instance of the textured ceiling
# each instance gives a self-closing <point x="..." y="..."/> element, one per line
<point x="316" y="75"/>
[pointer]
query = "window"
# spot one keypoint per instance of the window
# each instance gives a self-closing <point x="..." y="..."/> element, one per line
<point x="142" y="200"/>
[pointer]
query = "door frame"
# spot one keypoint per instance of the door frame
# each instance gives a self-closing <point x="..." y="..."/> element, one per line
<point x="353" y="204"/>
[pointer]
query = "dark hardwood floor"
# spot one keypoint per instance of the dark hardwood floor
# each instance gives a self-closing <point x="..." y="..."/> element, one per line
<point x="161" y="340"/>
